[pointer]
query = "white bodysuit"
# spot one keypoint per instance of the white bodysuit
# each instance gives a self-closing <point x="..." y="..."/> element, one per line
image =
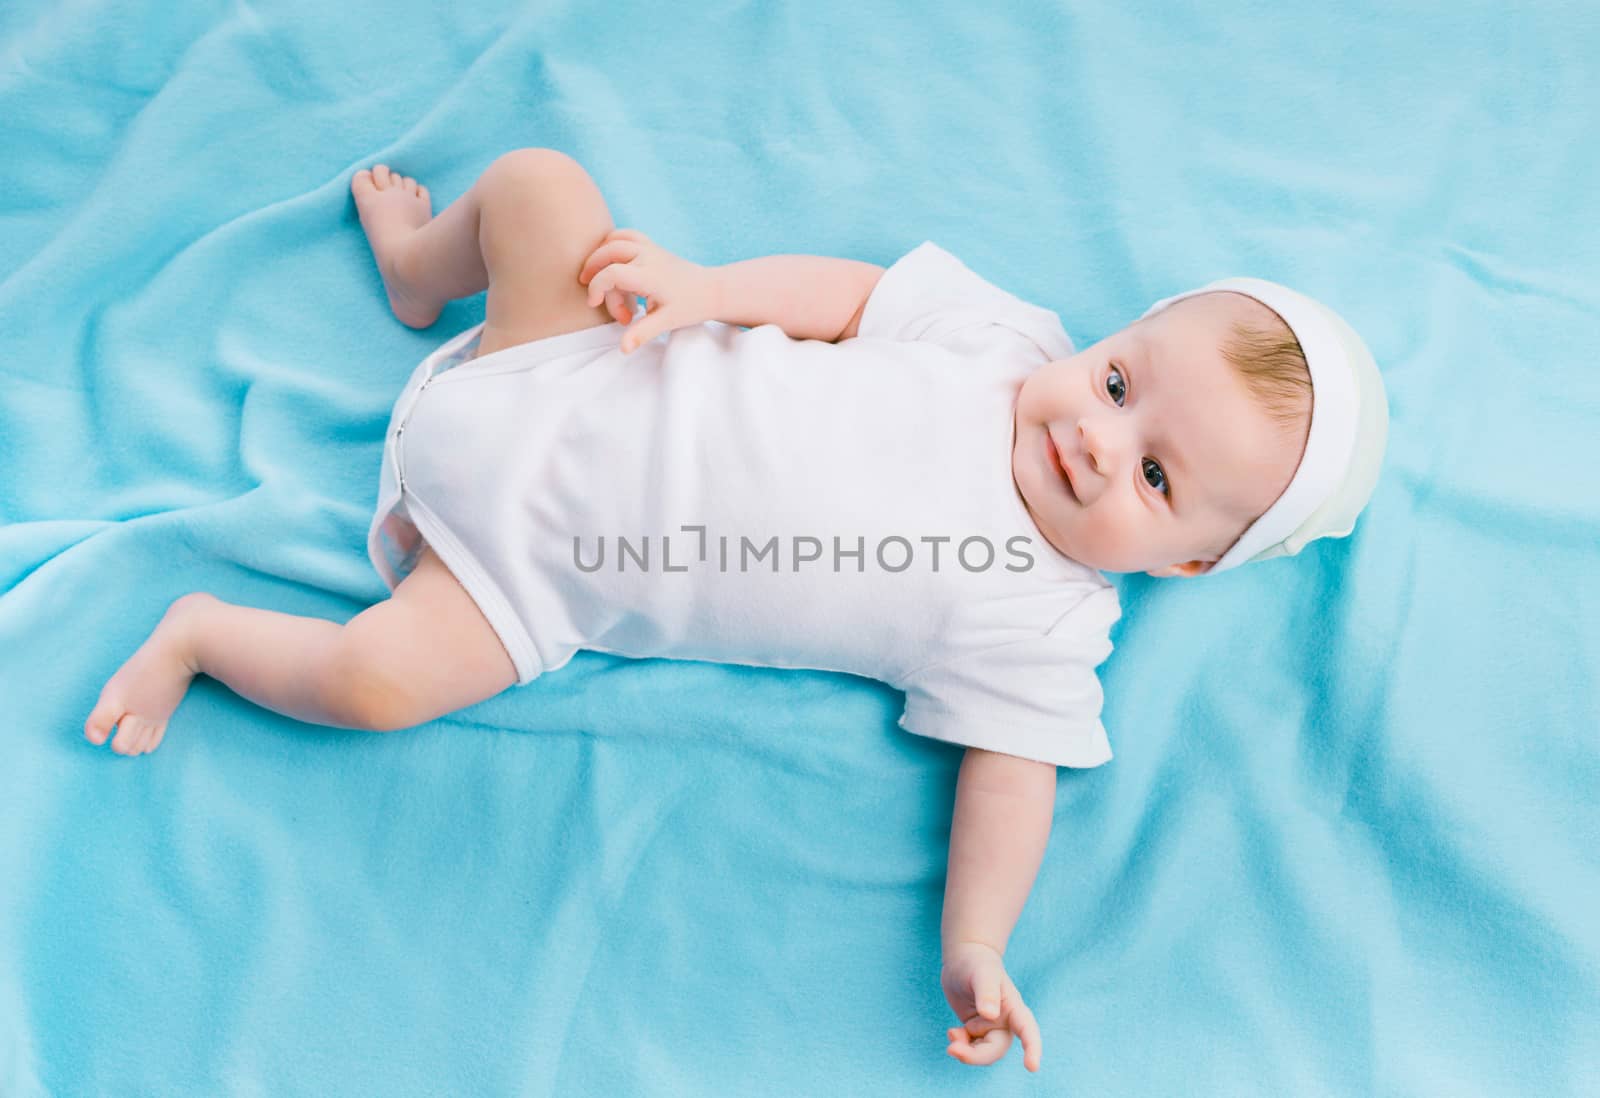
<point x="744" y="497"/>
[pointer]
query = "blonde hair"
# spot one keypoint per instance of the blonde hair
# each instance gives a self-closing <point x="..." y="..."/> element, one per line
<point x="1273" y="368"/>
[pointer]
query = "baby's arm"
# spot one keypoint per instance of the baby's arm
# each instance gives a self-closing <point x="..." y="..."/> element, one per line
<point x="808" y="296"/>
<point x="1004" y="808"/>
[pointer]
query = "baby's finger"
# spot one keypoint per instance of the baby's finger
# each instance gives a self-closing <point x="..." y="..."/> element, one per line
<point x="986" y="992"/>
<point x="627" y="234"/>
<point x="590" y="265"/>
<point x="620" y="306"/>
<point x="646" y="328"/>
<point x="991" y="1047"/>
<point x="616" y="251"/>
<point x="1021" y="1020"/>
<point x="618" y="276"/>
<point x="960" y="1045"/>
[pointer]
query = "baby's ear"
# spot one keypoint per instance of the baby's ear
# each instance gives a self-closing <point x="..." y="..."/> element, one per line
<point x="1182" y="571"/>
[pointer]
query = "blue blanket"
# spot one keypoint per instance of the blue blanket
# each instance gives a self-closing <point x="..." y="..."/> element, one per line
<point x="1348" y="841"/>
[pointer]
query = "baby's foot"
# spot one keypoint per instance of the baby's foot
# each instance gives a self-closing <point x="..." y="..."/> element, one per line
<point x="141" y="696"/>
<point x="392" y="207"/>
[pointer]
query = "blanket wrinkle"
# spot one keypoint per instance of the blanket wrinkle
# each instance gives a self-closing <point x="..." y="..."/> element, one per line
<point x="1490" y="270"/>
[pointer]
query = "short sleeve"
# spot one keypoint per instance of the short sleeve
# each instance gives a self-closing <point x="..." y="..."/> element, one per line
<point x="1037" y="697"/>
<point x="929" y="294"/>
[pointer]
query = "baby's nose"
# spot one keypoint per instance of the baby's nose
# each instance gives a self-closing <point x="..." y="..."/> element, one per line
<point x="1094" y="447"/>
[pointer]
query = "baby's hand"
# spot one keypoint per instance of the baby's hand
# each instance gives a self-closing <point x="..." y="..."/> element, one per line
<point x="989" y="1005"/>
<point x="627" y="262"/>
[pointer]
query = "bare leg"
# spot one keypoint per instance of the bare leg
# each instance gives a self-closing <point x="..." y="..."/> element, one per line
<point x="424" y="652"/>
<point x="273" y="659"/>
<point x="280" y="661"/>
<point x="522" y="231"/>
<point x="425" y="260"/>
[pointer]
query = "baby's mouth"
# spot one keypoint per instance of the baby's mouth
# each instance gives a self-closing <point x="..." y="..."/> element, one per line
<point x="1059" y="466"/>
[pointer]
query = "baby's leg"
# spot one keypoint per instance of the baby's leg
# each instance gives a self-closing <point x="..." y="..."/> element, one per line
<point x="425" y="651"/>
<point x="522" y="232"/>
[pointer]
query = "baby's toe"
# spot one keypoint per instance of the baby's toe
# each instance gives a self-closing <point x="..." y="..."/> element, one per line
<point x="128" y="733"/>
<point x="362" y="181"/>
<point x="382" y="176"/>
<point x="100" y="722"/>
<point x="146" y="743"/>
<point x="141" y="732"/>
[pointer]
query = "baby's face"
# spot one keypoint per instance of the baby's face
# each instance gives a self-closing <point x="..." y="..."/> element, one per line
<point x="1164" y="458"/>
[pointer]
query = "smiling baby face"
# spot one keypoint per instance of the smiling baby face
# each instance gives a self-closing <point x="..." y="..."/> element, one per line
<point x="1147" y="451"/>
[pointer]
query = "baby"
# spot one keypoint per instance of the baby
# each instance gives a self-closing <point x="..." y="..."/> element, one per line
<point x="907" y="474"/>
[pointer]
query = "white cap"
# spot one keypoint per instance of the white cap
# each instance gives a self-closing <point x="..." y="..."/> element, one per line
<point x="1349" y="428"/>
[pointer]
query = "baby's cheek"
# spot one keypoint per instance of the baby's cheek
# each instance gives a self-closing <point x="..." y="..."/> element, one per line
<point x="1114" y="539"/>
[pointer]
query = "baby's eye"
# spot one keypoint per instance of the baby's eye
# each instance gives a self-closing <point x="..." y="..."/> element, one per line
<point x="1116" y="386"/>
<point x="1159" y="480"/>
